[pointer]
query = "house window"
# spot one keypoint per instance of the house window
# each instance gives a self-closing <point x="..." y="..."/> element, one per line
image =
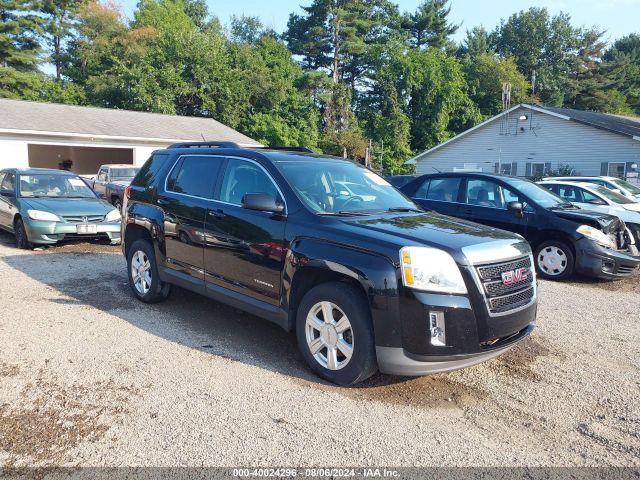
<point x="617" y="169"/>
<point x="537" y="169"/>
<point x="505" y="169"/>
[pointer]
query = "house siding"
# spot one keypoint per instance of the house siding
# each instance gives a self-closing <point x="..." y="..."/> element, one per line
<point x="546" y="139"/>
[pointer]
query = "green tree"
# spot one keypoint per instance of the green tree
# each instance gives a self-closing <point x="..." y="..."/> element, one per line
<point x="59" y="19"/>
<point x="246" y="29"/>
<point x="429" y="25"/>
<point x="486" y="74"/>
<point x="477" y="42"/>
<point x="622" y="60"/>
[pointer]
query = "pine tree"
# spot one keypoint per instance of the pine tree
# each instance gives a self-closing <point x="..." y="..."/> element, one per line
<point x="429" y="24"/>
<point x="19" y="29"/>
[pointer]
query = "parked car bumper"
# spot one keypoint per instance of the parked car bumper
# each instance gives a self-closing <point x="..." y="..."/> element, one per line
<point x="599" y="262"/>
<point x="471" y="335"/>
<point x="48" y="233"/>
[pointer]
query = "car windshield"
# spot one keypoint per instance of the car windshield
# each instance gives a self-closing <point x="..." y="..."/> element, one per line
<point x="626" y="185"/>
<point x="538" y="194"/>
<point x="123" y="173"/>
<point x="54" y="186"/>
<point x="611" y="195"/>
<point x="340" y="187"/>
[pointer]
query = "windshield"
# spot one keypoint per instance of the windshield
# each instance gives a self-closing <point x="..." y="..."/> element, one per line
<point x="123" y="173"/>
<point x="54" y="186"/>
<point x="538" y="194"/>
<point x="342" y="187"/>
<point x="611" y="195"/>
<point x="627" y="186"/>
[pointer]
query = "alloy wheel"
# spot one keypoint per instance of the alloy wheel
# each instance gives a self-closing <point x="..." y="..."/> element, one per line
<point x="329" y="335"/>
<point x="552" y="260"/>
<point x="141" y="272"/>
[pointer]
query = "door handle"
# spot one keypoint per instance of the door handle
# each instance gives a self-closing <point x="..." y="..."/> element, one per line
<point x="467" y="211"/>
<point x="218" y="213"/>
<point x="162" y="201"/>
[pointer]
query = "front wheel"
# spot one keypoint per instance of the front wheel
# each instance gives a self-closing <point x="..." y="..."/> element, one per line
<point x="335" y="333"/>
<point x="20" y="232"/>
<point x="554" y="260"/>
<point x="143" y="273"/>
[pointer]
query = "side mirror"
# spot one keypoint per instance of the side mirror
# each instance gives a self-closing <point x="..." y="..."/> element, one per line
<point x="597" y="201"/>
<point x="7" y="193"/>
<point x="262" y="202"/>
<point x="516" y="208"/>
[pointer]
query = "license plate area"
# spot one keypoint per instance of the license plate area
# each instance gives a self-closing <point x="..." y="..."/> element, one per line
<point x="86" y="229"/>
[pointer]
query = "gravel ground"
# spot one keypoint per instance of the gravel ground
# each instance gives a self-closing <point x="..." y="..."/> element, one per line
<point x="91" y="377"/>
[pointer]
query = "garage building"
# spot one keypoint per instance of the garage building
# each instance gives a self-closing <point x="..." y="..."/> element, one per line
<point x="532" y="140"/>
<point x="48" y="135"/>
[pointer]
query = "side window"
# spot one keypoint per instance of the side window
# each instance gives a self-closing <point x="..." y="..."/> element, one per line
<point x="589" y="197"/>
<point x="195" y="176"/>
<point x="423" y="189"/>
<point x="8" y="182"/>
<point x="1" y="179"/>
<point x="484" y="193"/>
<point x="569" y="193"/>
<point x="444" y="189"/>
<point x="244" y="177"/>
<point x="102" y="175"/>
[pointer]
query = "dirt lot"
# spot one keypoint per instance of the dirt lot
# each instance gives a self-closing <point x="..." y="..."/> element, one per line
<point x="89" y="376"/>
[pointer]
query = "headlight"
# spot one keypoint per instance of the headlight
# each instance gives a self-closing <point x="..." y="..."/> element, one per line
<point x="596" y="235"/>
<point x="43" y="216"/>
<point x="113" y="215"/>
<point x="430" y="269"/>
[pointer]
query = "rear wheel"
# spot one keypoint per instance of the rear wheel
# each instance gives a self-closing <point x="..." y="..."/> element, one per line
<point x="335" y="333"/>
<point x="143" y="273"/>
<point x="554" y="260"/>
<point x="20" y="232"/>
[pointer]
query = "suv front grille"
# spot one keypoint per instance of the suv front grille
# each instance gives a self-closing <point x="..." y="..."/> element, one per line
<point x="516" y="292"/>
<point x="81" y="219"/>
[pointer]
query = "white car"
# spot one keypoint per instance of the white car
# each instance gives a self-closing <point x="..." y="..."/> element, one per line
<point x="616" y="184"/>
<point x="598" y="199"/>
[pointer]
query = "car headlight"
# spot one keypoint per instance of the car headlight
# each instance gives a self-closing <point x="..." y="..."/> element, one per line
<point x="430" y="269"/>
<point x="596" y="235"/>
<point x="113" y="216"/>
<point x="43" y="216"/>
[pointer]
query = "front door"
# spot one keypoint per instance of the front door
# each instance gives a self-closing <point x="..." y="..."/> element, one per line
<point x="185" y="200"/>
<point x="486" y="202"/>
<point x="245" y="249"/>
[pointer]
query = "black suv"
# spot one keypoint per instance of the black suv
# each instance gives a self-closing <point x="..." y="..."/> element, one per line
<point x="329" y="249"/>
<point x="564" y="237"/>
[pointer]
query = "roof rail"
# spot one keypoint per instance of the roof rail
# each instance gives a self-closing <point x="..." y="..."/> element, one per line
<point x="205" y="145"/>
<point x="290" y="149"/>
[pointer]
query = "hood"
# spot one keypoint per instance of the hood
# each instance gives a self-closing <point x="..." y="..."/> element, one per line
<point x="121" y="183"/>
<point x="70" y="206"/>
<point x="431" y="229"/>
<point x="607" y="223"/>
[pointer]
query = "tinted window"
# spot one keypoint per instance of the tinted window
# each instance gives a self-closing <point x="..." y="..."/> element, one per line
<point x="195" y="176"/>
<point x="244" y="177"/>
<point x="484" y="193"/>
<point x="444" y="189"/>
<point x="9" y="181"/>
<point x="423" y="190"/>
<point x="150" y="170"/>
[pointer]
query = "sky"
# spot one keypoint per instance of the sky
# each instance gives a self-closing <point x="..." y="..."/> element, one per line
<point x="618" y="17"/>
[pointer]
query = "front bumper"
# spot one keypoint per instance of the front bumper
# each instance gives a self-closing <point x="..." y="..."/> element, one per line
<point x="397" y="361"/>
<point x="599" y="262"/>
<point x="49" y="233"/>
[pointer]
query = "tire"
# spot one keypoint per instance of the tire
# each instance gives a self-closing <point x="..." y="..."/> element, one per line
<point x="554" y="260"/>
<point x="345" y="301"/>
<point x="20" y="232"/>
<point x="146" y="287"/>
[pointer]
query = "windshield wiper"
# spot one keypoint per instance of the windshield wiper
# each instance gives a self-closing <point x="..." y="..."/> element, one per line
<point x="344" y="213"/>
<point x="404" y="209"/>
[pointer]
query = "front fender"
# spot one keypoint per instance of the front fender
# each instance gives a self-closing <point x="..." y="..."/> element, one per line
<point x="375" y="273"/>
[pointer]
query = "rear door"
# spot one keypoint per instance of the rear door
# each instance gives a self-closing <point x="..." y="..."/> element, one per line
<point x="245" y="249"/>
<point x="439" y="194"/>
<point x="185" y="198"/>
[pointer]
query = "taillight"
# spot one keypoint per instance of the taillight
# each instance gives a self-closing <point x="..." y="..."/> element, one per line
<point x="127" y="191"/>
<point x="125" y="200"/>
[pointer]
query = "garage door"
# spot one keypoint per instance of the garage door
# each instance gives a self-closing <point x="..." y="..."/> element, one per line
<point x="81" y="160"/>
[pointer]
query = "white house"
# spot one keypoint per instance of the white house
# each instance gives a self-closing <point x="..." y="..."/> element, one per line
<point x="46" y="134"/>
<point x="529" y="140"/>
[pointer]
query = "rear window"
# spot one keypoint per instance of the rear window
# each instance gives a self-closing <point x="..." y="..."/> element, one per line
<point x="195" y="176"/>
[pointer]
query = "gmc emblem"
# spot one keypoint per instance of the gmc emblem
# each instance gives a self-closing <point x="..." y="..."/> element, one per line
<point x="514" y="276"/>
